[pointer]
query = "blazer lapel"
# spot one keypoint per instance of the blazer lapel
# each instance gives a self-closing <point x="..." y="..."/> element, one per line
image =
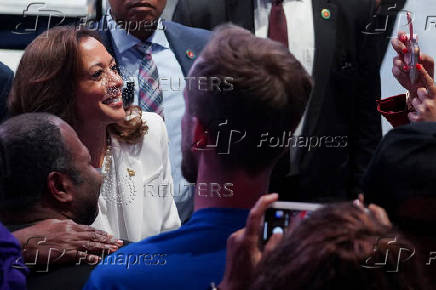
<point x="185" y="48"/>
<point x="186" y="45"/>
<point x="241" y="13"/>
<point x="325" y="43"/>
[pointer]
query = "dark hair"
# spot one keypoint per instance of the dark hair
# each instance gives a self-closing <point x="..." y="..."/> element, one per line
<point x="330" y="249"/>
<point x="263" y="89"/>
<point x="31" y="146"/>
<point x="46" y="80"/>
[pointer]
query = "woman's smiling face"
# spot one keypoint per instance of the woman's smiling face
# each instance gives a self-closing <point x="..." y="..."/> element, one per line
<point x="99" y="89"/>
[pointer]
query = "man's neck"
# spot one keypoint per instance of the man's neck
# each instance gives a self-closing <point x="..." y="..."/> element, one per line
<point x="31" y="215"/>
<point x="228" y="188"/>
<point x="143" y="32"/>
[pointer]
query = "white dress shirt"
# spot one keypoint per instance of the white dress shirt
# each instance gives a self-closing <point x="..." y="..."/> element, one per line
<point x="299" y="19"/>
<point x="135" y="201"/>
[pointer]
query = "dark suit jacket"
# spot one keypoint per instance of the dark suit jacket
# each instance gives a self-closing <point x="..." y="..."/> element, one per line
<point x="6" y="77"/>
<point x="181" y="39"/>
<point x="342" y="111"/>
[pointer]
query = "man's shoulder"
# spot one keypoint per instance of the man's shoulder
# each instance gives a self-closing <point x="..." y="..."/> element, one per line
<point x="171" y="258"/>
<point x="183" y="38"/>
<point x="186" y="30"/>
<point x="168" y="259"/>
<point x="138" y="261"/>
<point x="6" y="76"/>
<point x="5" y="71"/>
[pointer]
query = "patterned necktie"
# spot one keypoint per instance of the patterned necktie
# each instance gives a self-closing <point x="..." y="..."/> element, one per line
<point x="150" y="93"/>
<point x="277" y="28"/>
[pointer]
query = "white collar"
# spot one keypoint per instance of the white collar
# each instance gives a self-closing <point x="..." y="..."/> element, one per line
<point x="124" y="40"/>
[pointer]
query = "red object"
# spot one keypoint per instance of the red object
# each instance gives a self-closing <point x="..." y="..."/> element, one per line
<point x="403" y="38"/>
<point x="394" y="109"/>
<point x="278" y="28"/>
<point x="419" y="66"/>
<point x="406" y="68"/>
<point x="405" y="50"/>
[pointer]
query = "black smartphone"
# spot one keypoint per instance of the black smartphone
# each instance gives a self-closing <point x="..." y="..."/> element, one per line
<point x="280" y="215"/>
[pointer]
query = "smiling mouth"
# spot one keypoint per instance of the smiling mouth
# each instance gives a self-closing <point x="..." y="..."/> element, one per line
<point x="140" y="5"/>
<point x="112" y="100"/>
<point x="114" y="96"/>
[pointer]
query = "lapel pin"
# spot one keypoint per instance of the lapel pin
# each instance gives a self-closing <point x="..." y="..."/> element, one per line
<point x="190" y="54"/>
<point x="326" y="14"/>
<point x="131" y="172"/>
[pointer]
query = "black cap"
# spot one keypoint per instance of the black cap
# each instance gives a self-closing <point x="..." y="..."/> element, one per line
<point x="403" y="167"/>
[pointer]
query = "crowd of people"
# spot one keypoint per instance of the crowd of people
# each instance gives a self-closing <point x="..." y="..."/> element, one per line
<point x="140" y="153"/>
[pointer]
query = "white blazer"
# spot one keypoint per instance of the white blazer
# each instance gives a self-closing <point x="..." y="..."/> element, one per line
<point x="138" y="202"/>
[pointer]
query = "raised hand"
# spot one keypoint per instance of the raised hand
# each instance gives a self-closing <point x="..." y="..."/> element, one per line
<point x="243" y="253"/>
<point x="400" y="69"/>
<point x="424" y="104"/>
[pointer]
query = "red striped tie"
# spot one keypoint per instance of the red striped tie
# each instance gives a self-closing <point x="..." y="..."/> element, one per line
<point x="277" y="28"/>
<point x="150" y="92"/>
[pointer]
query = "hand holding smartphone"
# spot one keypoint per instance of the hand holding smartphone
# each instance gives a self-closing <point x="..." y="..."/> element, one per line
<point x="280" y="215"/>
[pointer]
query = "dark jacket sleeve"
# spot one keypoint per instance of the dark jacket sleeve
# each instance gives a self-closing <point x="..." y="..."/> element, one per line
<point x="6" y="77"/>
<point x="372" y="49"/>
<point x="366" y="130"/>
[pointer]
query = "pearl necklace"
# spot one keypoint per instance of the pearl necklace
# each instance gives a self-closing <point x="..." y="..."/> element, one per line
<point x="108" y="189"/>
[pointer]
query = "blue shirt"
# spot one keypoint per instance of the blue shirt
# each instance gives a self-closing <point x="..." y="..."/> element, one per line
<point x="12" y="270"/>
<point x="188" y="258"/>
<point x="172" y="83"/>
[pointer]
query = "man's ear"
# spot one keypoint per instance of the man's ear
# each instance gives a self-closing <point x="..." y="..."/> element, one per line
<point x="199" y="135"/>
<point x="59" y="186"/>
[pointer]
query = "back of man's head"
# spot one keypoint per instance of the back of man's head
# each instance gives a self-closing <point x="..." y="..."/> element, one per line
<point x="31" y="146"/>
<point x="402" y="177"/>
<point x="341" y="247"/>
<point x="251" y="92"/>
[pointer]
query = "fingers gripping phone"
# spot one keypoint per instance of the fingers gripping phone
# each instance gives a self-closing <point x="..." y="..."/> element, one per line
<point x="280" y="215"/>
<point x="412" y="56"/>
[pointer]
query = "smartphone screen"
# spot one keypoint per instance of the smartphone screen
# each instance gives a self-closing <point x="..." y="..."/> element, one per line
<point x="281" y="215"/>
